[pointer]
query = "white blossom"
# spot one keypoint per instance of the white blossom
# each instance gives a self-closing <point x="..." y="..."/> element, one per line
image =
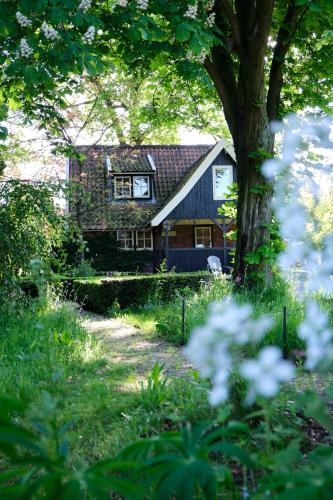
<point x="25" y="49"/>
<point x="49" y="32"/>
<point x="210" y="21"/>
<point x="193" y="58"/>
<point x="211" y="347"/>
<point x="296" y="172"/>
<point x="142" y="4"/>
<point x="23" y="20"/>
<point x="89" y="35"/>
<point x="265" y="373"/>
<point x="191" y="12"/>
<point x="122" y="3"/>
<point x="318" y="336"/>
<point x="85" y="5"/>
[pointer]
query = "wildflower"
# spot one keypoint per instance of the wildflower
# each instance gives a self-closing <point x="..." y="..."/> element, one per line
<point x="295" y="173"/>
<point x="318" y="336"/>
<point x="89" y="35"/>
<point x="23" y="20"/>
<point x="211" y="348"/>
<point x="85" y="5"/>
<point x="49" y="32"/>
<point x="142" y="4"/>
<point x="265" y="374"/>
<point x="191" y="12"/>
<point x="25" y="49"/>
<point x="122" y="3"/>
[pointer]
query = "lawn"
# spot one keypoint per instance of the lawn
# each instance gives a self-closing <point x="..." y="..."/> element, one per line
<point x="49" y="350"/>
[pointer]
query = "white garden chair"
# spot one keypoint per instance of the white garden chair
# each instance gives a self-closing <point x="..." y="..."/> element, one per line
<point x="214" y="265"/>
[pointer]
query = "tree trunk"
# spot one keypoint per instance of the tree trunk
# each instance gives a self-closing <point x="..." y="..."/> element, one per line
<point x="253" y="141"/>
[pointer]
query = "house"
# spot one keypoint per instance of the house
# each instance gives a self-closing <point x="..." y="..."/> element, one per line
<point x="162" y="200"/>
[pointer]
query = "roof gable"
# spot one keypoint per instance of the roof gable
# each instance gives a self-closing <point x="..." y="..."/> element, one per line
<point x="190" y="179"/>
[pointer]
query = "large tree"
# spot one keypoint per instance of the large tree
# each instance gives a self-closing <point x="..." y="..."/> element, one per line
<point x="255" y="51"/>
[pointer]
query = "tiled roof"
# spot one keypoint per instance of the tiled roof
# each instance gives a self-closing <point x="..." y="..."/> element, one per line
<point x="173" y="164"/>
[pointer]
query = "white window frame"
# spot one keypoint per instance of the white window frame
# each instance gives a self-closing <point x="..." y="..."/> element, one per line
<point x="145" y="231"/>
<point x="148" y="184"/>
<point x="118" y="178"/>
<point x="196" y="236"/>
<point x="215" y="168"/>
<point x="126" y="239"/>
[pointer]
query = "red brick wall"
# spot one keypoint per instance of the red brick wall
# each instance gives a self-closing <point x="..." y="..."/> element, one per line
<point x="184" y="237"/>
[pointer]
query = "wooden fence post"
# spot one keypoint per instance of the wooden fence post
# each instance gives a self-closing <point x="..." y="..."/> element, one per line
<point x="284" y="333"/>
<point x="183" y="318"/>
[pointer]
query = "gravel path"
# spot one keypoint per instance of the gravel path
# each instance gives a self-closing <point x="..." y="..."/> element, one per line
<point x="126" y="345"/>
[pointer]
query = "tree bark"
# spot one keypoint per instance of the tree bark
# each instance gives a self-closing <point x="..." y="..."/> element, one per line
<point x="244" y="101"/>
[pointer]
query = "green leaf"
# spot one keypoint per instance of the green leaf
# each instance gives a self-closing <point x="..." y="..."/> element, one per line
<point x="234" y="451"/>
<point x="182" y="33"/>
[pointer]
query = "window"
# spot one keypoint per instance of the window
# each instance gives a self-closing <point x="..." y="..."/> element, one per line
<point x="125" y="239"/>
<point x="203" y="237"/>
<point x="144" y="240"/>
<point x="222" y="179"/>
<point x="122" y="187"/>
<point x="141" y="186"/>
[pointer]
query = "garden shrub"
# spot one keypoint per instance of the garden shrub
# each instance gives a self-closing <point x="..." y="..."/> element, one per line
<point x="134" y="290"/>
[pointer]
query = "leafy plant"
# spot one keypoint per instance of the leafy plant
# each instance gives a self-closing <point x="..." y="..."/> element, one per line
<point x="36" y="459"/>
<point x="84" y="269"/>
<point x="156" y="390"/>
<point x="30" y="226"/>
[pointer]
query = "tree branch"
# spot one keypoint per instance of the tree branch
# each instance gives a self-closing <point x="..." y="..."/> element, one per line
<point x="225" y="8"/>
<point x="287" y="30"/>
<point x="221" y="70"/>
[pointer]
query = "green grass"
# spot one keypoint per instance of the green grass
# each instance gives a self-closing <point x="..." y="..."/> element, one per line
<point x="46" y="349"/>
<point x="167" y="319"/>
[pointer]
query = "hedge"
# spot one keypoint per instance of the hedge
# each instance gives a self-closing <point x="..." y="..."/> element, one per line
<point x="133" y="290"/>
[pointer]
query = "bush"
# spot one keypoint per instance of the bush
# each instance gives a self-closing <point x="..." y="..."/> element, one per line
<point x="134" y="290"/>
<point x="84" y="268"/>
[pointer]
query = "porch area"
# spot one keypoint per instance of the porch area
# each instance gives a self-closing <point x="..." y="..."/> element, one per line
<point x="187" y="243"/>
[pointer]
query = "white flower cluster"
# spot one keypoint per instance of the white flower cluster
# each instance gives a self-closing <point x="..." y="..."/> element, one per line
<point x="122" y="3"/>
<point x="306" y="161"/>
<point x="305" y="166"/>
<point x="318" y="336"/>
<point x="191" y="12"/>
<point x="214" y="350"/>
<point x="49" y="32"/>
<point x="210" y="5"/>
<point x="23" y="20"/>
<point x="89" y="35"/>
<point x="210" y="21"/>
<point x="142" y="4"/>
<point x="85" y="5"/>
<point x="265" y="374"/>
<point x="199" y="59"/>
<point x="25" y="49"/>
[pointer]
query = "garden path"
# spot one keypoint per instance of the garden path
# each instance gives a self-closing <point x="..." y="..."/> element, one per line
<point x="123" y="344"/>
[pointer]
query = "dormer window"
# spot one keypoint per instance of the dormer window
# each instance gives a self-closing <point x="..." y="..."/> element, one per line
<point x="141" y="186"/>
<point x="128" y="186"/>
<point x="122" y="187"/>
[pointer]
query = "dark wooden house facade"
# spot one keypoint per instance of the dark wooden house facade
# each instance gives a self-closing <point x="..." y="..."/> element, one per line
<point x="163" y="200"/>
